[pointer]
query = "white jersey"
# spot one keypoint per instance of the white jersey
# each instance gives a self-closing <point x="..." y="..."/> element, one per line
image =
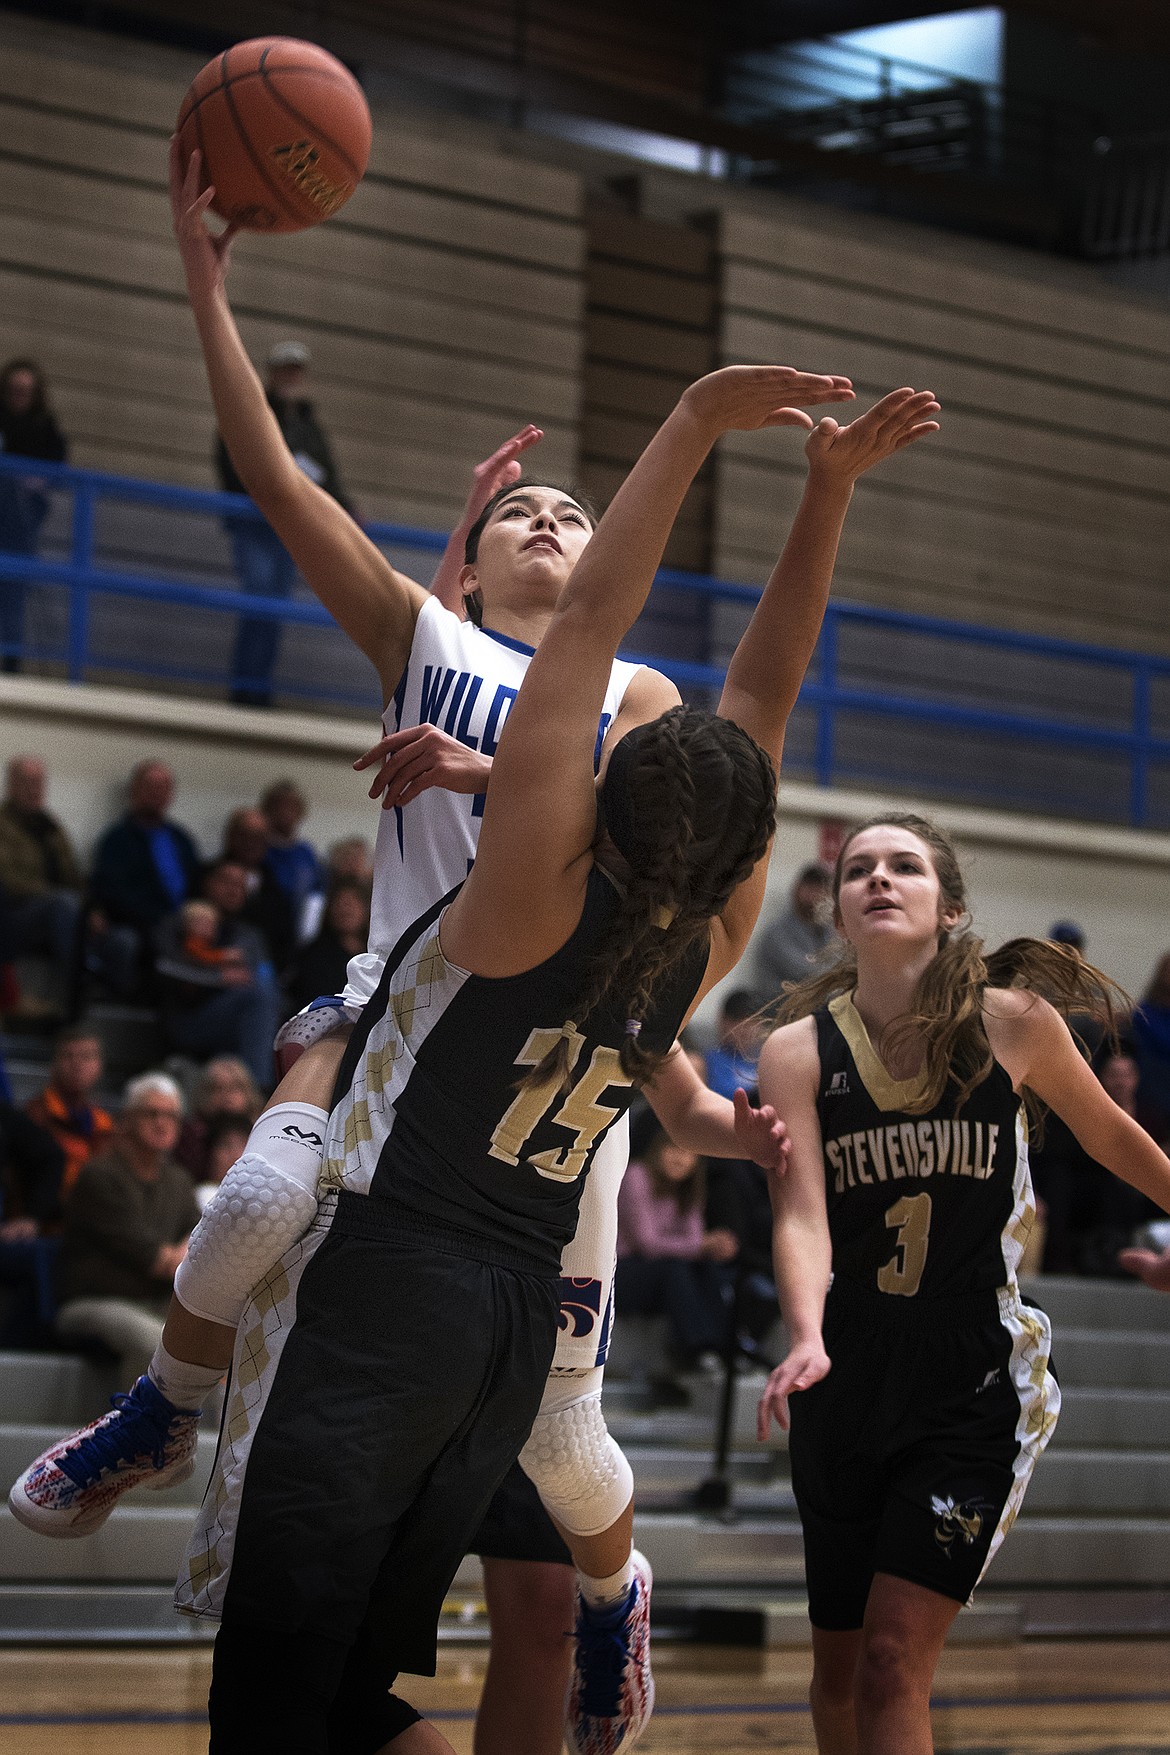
<point x="464" y="679"/>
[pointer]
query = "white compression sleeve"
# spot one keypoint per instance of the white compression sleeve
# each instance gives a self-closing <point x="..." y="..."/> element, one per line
<point x="579" y="1471"/>
<point x="265" y="1202"/>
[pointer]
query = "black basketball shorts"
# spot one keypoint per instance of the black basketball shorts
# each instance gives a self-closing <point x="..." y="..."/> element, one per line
<point x="384" y="1385"/>
<point x="912" y="1456"/>
<point x="517" y="1527"/>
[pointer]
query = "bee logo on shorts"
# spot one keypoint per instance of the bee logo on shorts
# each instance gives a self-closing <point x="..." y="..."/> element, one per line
<point x="954" y="1522"/>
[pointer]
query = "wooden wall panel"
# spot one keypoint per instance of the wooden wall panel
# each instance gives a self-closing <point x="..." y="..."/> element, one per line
<point x="650" y="329"/>
<point x="444" y="307"/>
<point x="1044" y="503"/>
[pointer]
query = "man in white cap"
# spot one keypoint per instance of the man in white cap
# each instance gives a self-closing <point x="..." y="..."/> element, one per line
<point x="264" y="565"/>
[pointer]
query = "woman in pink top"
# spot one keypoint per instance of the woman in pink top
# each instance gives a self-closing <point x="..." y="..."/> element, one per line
<point x="669" y="1264"/>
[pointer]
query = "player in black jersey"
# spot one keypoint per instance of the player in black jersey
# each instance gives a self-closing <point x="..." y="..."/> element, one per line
<point x="905" y="1086"/>
<point x="508" y="1028"/>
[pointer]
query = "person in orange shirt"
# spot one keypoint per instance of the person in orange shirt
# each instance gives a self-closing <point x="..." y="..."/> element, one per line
<point x="64" y="1108"/>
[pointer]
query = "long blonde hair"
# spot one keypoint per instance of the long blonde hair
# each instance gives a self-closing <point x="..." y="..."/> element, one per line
<point x="946" y="1009"/>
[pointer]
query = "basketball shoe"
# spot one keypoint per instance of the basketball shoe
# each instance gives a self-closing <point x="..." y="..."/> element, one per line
<point x="144" y="1441"/>
<point x="611" y="1689"/>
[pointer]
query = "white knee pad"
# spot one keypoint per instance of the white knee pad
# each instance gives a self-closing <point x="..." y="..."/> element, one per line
<point x="579" y="1471"/>
<point x="265" y="1202"/>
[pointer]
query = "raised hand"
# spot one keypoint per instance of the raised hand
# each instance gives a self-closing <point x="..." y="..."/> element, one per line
<point x="422" y="756"/>
<point x="205" y="254"/>
<point x="499" y="470"/>
<point x="742" y="398"/>
<point x="805" y="1365"/>
<point x="760" y="1133"/>
<point x="899" y="419"/>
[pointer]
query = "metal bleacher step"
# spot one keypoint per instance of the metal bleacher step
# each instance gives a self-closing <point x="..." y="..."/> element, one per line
<point x="1123" y="1482"/>
<point x="105" y="1614"/>
<point x="1104" y="1358"/>
<point x="1114" y="1552"/>
<point x="1079" y="1304"/>
<point x="1127" y="1418"/>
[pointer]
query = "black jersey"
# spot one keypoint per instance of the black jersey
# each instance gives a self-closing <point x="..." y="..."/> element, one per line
<point x="930" y="1205"/>
<point x="432" y="1120"/>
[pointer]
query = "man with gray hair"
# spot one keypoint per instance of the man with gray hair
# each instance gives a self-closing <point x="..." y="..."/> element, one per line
<point x="263" y="564"/>
<point x="126" y="1228"/>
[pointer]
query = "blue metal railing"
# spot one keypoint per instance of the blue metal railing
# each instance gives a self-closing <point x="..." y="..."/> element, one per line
<point x="881" y="678"/>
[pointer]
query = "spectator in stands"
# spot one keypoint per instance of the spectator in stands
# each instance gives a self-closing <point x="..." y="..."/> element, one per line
<point x="224" y="1087"/>
<point x="227" y="1141"/>
<point x="669" y="1263"/>
<point x="791" y="944"/>
<point x="1090" y="1214"/>
<point x="267" y="906"/>
<point x="30" y="1211"/>
<point x="144" y="866"/>
<point x="27" y="429"/>
<point x="224" y="1007"/>
<point x="731" y="1064"/>
<point x="293" y="863"/>
<point x="40" y="878"/>
<point x="738" y="1201"/>
<point x="320" y="967"/>
<point x="1151" y="1035"/>
<point x="126" y="1229"/>
<point x="263" y="564"/>
<point x="65" y="1107"/>
<point x="1067" y="932"/>
<point x="351" y="858"/>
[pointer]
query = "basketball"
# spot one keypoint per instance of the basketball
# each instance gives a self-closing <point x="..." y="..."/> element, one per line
<point x="284" y="130"/>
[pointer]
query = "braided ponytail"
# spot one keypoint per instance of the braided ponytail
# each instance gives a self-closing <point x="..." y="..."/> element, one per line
<point x="699" y="803"/>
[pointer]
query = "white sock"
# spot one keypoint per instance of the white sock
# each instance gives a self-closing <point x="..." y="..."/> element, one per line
<point x="607" y="1593"/>
<point x="185" y="1386"/>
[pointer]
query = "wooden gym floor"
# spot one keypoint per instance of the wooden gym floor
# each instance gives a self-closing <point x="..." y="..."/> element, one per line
<point x="1041" y="1698"/>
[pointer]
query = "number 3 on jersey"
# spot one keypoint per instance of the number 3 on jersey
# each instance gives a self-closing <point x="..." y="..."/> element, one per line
<point x="910" y="1217"/>
<point x="580" y="1112"/>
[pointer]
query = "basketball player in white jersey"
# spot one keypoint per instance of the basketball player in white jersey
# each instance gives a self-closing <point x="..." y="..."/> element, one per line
<point x="460" y="679"/>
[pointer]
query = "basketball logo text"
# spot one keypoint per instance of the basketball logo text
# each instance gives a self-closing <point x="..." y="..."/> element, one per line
<point x="299" y="162"/>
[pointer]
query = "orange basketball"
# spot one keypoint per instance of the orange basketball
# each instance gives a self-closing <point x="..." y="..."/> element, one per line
<point x="284" y="131"/>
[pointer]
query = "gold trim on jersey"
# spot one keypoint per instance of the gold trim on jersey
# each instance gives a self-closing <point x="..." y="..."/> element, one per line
<point x="886" y="1091"/>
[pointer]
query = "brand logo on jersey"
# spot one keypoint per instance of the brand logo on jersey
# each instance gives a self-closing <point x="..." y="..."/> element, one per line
<point x="957" y="1523"/>
<point x="305" y="1134"/>
<point x="580" y="1306"/>
<point x="991" y="1378"/>
<point x="838" y="1086"/>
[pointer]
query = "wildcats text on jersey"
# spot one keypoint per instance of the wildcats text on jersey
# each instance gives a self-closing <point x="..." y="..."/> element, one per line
<point x="913" y="1150"/>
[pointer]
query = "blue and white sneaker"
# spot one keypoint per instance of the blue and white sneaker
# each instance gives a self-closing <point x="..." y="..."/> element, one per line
<point x="71" y="1489"/>
<point x="611" y="1689"/>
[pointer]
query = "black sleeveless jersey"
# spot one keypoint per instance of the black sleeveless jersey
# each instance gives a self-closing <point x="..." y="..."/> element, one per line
<point x="932" y="1205"/>
<point x="431" y="1119"/>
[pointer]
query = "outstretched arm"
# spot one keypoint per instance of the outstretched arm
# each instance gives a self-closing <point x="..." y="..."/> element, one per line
<point x="1032" y="1042"/>
<point x="543" y="771"/>
<point x="498" y="471"/>
<point x="704" y="1122"/>
<point x="801" y="1250"/>
<point x="768" y="666"/>
<point x="375" y="604"/>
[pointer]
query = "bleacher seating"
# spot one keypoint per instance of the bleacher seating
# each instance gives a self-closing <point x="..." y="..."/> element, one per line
<point x="1087" y="1555"/>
